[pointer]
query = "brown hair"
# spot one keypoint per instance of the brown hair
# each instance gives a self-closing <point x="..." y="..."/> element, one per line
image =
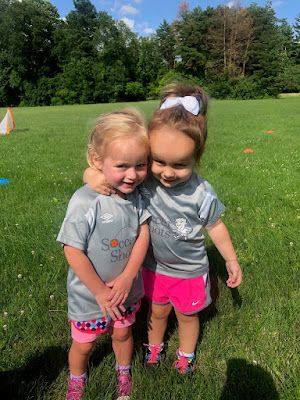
<point x="122" y="124"/>
<point x="179" y="119"/>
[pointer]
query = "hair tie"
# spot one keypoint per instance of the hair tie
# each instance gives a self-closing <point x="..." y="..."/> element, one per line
<point x="190" y="103"/>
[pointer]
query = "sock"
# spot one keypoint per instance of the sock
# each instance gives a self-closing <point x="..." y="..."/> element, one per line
<point x="123" y="367"/>
<point x="83" y="376"/>
<point x="162" y="345"/>
<point x="188" y="355"/>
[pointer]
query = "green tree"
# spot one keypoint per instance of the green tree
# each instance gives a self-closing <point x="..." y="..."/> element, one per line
<point x="167" y="43"/>
<point x="191" y="41"/>
<point x="265" y="62"/>
<point x="117" y="59"/>
<point x="26" y="41"/>
<point x="150" y="65"/>
<point x="296" y="27"/>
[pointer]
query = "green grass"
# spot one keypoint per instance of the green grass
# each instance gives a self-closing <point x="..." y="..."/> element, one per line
<point x="249" y="340"/>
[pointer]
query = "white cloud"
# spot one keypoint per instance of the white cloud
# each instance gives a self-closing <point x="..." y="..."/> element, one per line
<point x="143" y="28"/>
<point x="149" y="30"/>
<point x="277" y="4"/>
<point x="138" y="1"/>
<point x="128" y="10"/>
<point x="231" y="4"/>
<point x="129" y="22"/>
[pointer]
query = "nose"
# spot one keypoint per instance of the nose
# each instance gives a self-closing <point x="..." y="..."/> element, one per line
<point x="131" y="174"/>
<point x="168" y="172"/>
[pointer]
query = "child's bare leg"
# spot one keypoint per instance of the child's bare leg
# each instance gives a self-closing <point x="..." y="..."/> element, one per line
<point x="188" y="331"/>
<point x="122" y="343"/>
<point x="157" y="322"/>
<point x="79" y="355"/>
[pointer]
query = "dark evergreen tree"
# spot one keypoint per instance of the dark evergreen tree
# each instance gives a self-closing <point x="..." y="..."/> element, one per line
<point x="265" y="62"/>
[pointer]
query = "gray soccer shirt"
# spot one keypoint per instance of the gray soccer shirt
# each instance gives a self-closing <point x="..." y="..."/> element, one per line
<point x="105" y="229"/>
<point x="177" y="217"/>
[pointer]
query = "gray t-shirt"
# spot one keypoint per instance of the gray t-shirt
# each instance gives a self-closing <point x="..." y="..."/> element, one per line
<point x="105" y="229"/>
<point x="177" y="217"/>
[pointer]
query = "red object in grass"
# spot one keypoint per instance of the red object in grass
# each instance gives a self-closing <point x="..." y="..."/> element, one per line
<point x="270" y="131"/>
<point x="248" y="151"/>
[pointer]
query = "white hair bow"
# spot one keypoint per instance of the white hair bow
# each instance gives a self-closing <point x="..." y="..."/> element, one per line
<point x="190" y="103"/>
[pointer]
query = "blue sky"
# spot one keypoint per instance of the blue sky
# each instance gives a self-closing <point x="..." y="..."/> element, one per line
<point x="145" y="16"/>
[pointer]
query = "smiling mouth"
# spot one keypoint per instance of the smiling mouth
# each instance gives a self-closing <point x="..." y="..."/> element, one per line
<point x="129" y="183"/>
<point x="168" y="180"/>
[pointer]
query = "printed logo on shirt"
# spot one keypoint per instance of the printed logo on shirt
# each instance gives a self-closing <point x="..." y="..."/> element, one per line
<point x="119" y="246"/>
<point x="181" y="228"/>
<point x="114" y="243"/>
<point x="107" y="218"/>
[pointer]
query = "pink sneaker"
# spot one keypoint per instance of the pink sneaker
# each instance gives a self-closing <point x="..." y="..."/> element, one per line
<point x="75" y="389"/>
<point x="124" y="383"/>
<point x="183" y="364"/>
<point x="153" y="354"/>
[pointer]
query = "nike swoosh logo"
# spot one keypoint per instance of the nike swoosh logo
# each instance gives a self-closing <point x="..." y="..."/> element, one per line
<point x="194" y="303"/>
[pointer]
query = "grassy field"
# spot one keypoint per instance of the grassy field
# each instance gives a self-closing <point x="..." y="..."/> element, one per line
<point x="249" y="340"/>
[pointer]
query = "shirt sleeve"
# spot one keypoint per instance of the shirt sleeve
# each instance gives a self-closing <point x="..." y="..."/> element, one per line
<point x="77" y="225"/>
<point x="74" y="233"/>
<point x="211" y="209"/>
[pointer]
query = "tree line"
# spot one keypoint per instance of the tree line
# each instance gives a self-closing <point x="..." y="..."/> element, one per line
<point x="88" y="57"/>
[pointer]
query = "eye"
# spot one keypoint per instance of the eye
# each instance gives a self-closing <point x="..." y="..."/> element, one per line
<point x="121" y="166"/>
<point x="141" y="166"/>
<point x="180" y="165"/>
<point x="160" y="162"/>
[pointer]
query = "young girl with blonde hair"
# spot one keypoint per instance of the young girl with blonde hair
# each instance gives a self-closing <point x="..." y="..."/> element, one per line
<point x="181" y="204"/>
<point x="105" y="241"/>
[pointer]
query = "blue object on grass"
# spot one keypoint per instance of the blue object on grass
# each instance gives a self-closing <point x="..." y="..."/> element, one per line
<point x="4" y="181"/>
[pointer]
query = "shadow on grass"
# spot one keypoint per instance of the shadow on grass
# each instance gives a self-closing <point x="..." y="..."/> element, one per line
<point x="218" y="272"/>
<point x="42" y="369"/>
<point x="33" y="379"/>
<point x="246" y="381"/>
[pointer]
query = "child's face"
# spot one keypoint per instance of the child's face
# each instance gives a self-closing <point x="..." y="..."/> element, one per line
<point x="125" y="165"/>
<point x="173" y="156"/>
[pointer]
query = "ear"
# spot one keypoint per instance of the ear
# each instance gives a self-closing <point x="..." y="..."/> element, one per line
<point x="96" y="160"/>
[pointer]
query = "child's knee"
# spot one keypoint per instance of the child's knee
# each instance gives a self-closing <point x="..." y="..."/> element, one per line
<point x="160" y="312"/>
<point x="121" y="334"/>
<point x="83" y="348"/>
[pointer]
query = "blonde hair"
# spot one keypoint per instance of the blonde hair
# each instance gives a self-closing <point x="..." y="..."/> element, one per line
<point x="122" y="124"/>
<point x="179" y="119"/>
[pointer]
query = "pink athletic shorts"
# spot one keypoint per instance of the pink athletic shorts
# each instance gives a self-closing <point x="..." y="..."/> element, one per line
<point x="89" y="331"/>
<point x="188" y="296"/>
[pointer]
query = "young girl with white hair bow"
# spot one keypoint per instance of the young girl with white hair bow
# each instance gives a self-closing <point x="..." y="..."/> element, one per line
<point x="181" y="203"/>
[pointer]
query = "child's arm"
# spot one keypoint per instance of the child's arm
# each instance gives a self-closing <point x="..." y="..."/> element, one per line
<point x="85" y="271"/>
<point x="122" y="284"/>
<point x="96" y="180"/>
<point x="221" y="239"/>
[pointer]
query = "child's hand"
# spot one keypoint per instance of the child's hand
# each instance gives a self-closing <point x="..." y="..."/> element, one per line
<point x="121" y="287"/>
<point x="105" y="304"/>
<point x="235" y="274"/>
<point x="96" y="180"/>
